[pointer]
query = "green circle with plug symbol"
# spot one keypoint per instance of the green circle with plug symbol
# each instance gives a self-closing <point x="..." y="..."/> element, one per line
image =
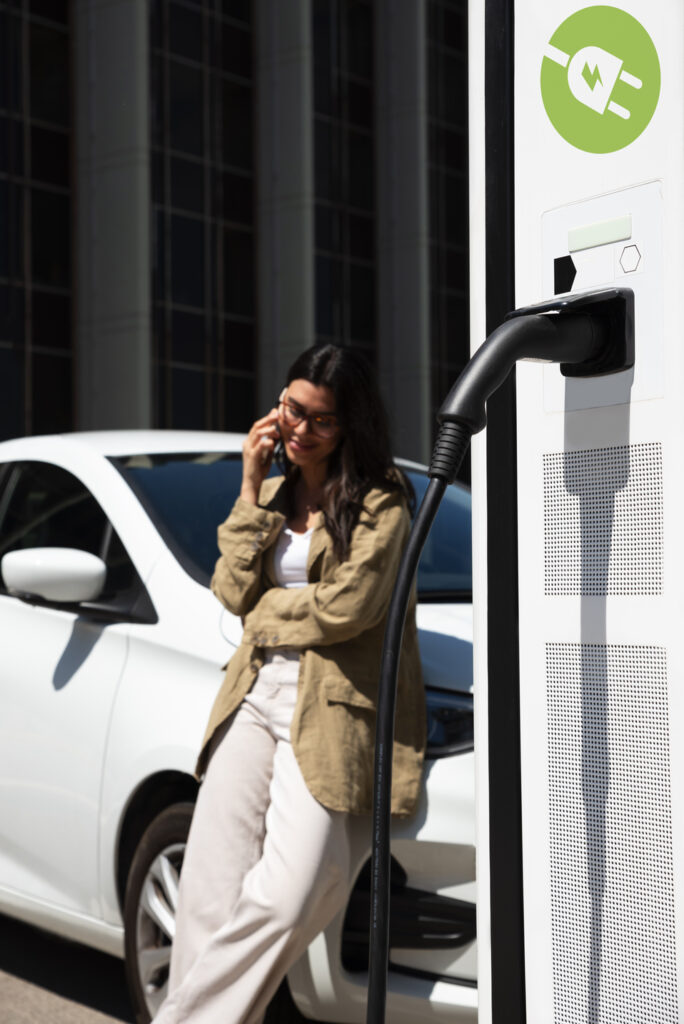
<point x="600" y="79"/>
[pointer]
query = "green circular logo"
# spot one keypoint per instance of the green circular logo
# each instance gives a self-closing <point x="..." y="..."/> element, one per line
<point x="600" y="79"/>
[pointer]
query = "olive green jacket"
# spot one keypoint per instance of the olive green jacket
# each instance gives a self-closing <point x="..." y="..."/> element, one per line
<point x="338" y="622"/>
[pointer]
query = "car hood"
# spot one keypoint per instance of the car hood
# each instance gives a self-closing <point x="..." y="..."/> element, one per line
<point x="445" y="633"/>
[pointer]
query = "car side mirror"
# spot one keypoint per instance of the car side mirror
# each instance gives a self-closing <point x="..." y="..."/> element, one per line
<point x="65" y="575"/>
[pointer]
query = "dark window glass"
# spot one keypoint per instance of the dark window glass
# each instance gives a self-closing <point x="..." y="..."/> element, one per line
<point x="238" y="283"/>
<point x="11" y="146"/>
<point x="237" y="125"/>
<point x="240" y="10"/>
<point x="4" y="234"/>
<point x="455" y="32"/>
<point x="156" y="18"/>
<point x="238" y="198"/>
<point x="327" y="228"/>
<point x="55" y="10"/>
<point x="158" y="175"/>
<point x="237" y="51"/>
<point x="239" y="403"/>
<point x="185" y="115"/>
<point x="187" y="399"/>
<point x="49" y="156"/>
<point x="187" y="185"/>
<point x="51" y="320"/>
<point x="187" y="261"/>
<point x="361" y="303"/>
<point x="185" y="32"/>
<point x="187" y="496"/>
<point x="49" y="74"/>
<point x="360" y="170"/>
<point x="455" y="208"/>
<point x="359" y="38"/>
<point x="360" y="104"/>
<point x="454" y="109"/>
<point x="361" y="237"/>
<point x="159" y="256"/>
<point x="12" y="404"/>
<point x="49" y="507"/>
<point x="52" y="394"/>
<point x="187" y="337"/>
<point x="10" y="62"/>
<point x="11" y="315"/>
<point x="328" y="295"/>
<point x="456" y="269"/>
<point x="324" y="160"/>
<point x="50" y="238"/>
<point x="239" y="345"/>
<point x="157" y="100"/>
<point x="324" y="99"/>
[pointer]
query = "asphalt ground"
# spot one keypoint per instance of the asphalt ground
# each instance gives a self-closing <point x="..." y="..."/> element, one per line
<point x="46" y="980"/>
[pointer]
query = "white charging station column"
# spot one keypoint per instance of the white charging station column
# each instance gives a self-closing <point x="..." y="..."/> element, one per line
<point x="599" y="201"/>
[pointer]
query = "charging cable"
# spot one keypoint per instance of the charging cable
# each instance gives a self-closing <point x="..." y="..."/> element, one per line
<point x="601" y="341"/>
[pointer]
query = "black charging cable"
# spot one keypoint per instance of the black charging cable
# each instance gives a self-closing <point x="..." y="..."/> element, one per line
<point x="569" y="338"/>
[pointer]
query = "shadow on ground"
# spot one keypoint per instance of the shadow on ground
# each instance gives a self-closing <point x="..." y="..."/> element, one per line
<point x="67" y="969"/>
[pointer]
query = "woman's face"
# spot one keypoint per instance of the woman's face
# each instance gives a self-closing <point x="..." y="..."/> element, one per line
<point x="304" y="444"/>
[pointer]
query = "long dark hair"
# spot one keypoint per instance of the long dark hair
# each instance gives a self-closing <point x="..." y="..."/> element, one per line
<point x="363" y="458"/>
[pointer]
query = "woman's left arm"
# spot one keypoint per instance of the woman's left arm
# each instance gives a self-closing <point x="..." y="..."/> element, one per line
<point x="354" y="600"/>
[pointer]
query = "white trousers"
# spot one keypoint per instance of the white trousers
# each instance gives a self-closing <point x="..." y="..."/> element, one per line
<point x="265" y="870"/>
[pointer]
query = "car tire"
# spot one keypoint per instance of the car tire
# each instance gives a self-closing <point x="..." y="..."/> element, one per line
<point x="149" y="908"/>
<point x="149" y="920"/>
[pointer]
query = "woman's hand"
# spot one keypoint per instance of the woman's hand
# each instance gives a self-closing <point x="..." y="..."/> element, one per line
<point x="257" y="455"/>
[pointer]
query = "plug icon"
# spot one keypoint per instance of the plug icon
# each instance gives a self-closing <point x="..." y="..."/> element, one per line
<point x="592" y="76"/>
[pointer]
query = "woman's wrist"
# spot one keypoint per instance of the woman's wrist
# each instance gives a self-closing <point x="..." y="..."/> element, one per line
<point x="249" y="492"/>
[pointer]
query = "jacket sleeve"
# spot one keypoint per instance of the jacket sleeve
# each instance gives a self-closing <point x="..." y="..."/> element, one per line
<point x="242" y="540"/>
<point x="355" y="599"/>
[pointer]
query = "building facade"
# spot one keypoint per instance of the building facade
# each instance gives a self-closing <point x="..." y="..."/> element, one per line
<point x="193" y="191"/>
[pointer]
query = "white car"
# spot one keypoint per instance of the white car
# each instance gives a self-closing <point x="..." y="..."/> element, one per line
<point x="112" y="647"/>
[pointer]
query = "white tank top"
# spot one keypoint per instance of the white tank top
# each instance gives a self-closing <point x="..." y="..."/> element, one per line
<point x="291" y="555"/>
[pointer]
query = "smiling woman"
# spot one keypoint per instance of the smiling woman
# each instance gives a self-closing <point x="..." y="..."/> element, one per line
<point x="308" y="561"/>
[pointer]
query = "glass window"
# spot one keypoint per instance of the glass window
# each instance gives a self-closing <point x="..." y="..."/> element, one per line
<point x="188" y="399"/>
<point x="236" y="50"/>
<point x="186" y="113"/>
<point x="52" y="405"/>
<point x="12" y="405"/>
<point x="238" y="284"/>
<point x="361" y="303"/>
<point x="237" y="124"/>
<point x="185" y="32"/>
<point x="49" y="156"/>
<point x="49" y="74"/>
<point x="50" y="238"/>
<point x="187" y="337"/>
<point x="186" y="496"/>
<point x="239" y="346"/>
<point x="187" y="261"/>
<point x="445" y="567"/>
<point x="51" y="320"/>
<point x="187" y="185"/>
<point x="238" y="198"/>
<point x="239" y="402"/>
<point x="46" y="506"/>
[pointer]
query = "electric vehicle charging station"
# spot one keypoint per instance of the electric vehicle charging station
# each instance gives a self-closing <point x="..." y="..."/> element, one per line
<point x="593" y="155"/>
<point x="577" y="189"/>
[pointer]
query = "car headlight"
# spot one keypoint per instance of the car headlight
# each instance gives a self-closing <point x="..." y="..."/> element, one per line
<point x="449" y="723"/>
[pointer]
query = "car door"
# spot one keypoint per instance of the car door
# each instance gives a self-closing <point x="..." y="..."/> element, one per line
<point x="59" y="670"/>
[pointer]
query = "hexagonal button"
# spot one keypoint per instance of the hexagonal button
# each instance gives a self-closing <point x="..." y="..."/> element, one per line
<point x="630" y="259"/>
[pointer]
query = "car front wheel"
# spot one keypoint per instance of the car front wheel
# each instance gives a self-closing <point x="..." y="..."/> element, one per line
<point x="150" y="908"/>
<point x="150" y="918"/>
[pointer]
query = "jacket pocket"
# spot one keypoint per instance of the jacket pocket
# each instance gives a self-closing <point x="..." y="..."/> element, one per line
<point x="339" y="690"/>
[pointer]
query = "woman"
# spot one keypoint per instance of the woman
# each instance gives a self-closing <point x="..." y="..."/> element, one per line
<point x="308" y="559"/>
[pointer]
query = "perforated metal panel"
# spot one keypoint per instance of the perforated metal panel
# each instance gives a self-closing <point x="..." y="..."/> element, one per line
<point x="612" y="892"/>
<point x="603" y="521"/>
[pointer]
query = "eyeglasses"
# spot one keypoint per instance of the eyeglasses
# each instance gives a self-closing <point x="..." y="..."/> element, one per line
<point x="322" y="424"/>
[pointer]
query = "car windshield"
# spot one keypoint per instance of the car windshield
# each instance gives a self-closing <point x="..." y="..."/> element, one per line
<point x="188" y="494"/>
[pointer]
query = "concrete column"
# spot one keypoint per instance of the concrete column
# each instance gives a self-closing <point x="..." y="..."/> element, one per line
<point x="403" y="225"/>
<point x="285" y="187"/>
<point x="113" y="303"/>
